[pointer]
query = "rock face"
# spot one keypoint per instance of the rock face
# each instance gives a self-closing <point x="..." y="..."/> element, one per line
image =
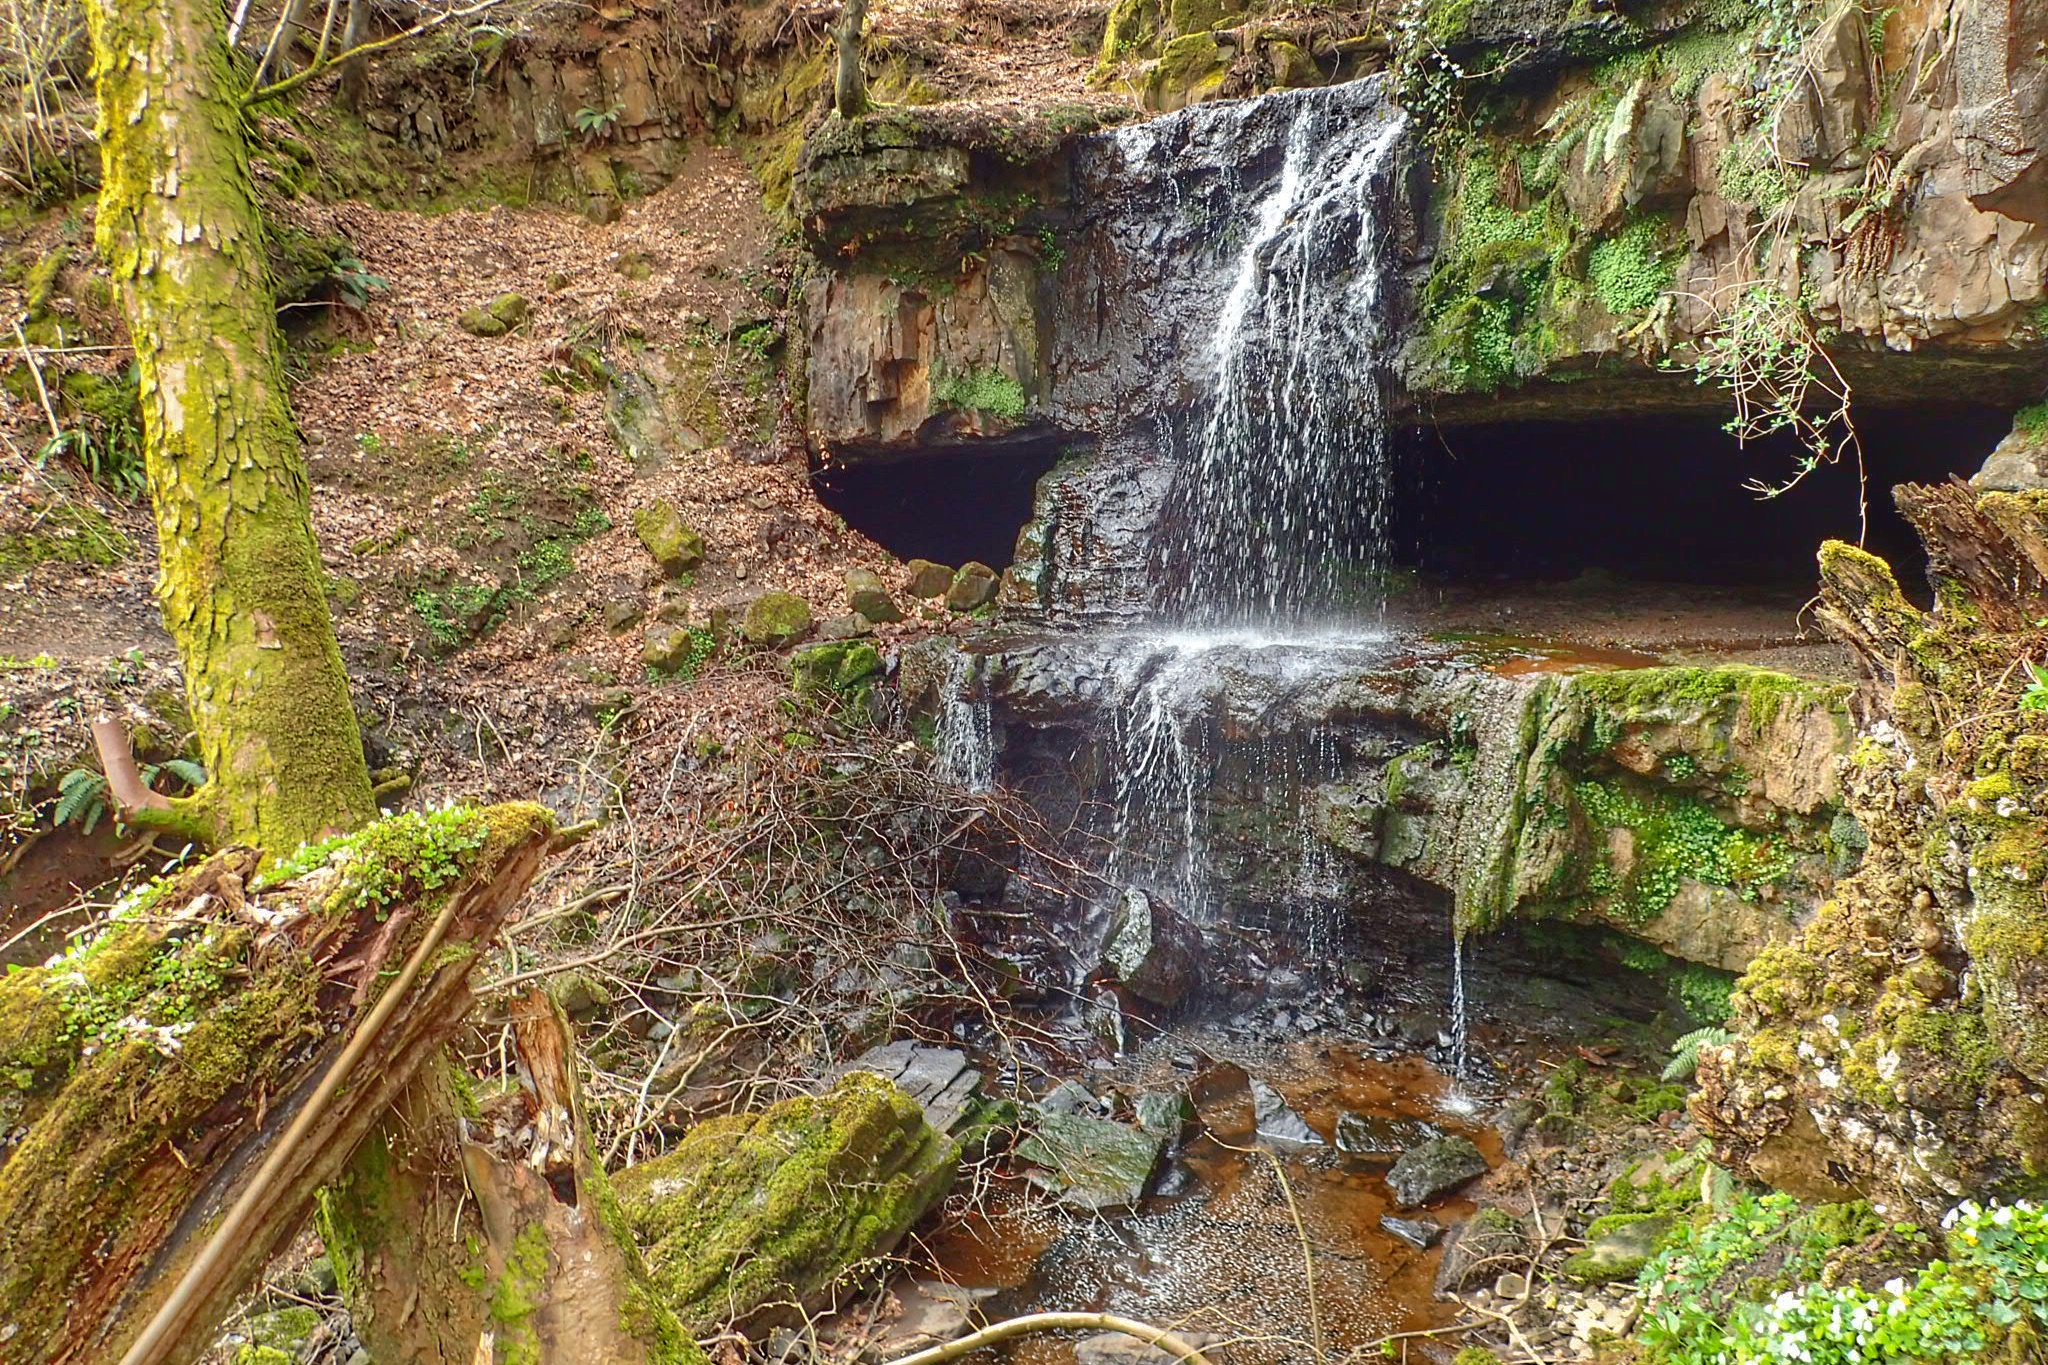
<point x="1699" y="809"/>
<point x="1433" y="1170"/>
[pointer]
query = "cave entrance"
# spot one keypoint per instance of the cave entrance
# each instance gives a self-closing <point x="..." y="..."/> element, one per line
<point x="1661" y="499"/>
<point x="951" y="506"/>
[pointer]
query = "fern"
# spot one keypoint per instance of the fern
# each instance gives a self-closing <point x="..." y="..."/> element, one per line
<point x="186" y="770"/>
<point x="1685" y="1053"/>
<point x="81" y="799"/>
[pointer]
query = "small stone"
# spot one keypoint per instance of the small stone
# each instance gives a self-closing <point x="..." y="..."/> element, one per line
<point x="1511" y="1286"/>
<point x="976" y="585"/>
<point x="478" y="322"/>
<point x="852" y="626"/>
<point x="1618" y="1246"/>
<point x="668" y="648"/>
<point x="1379" y="1137"/>
<point x="1068" y="1097"/>
<point x="866" y="595"/>
<point x="508" y="308"/>
<point x="923" y="578"/>
<point x="776" y="620"/>
<point x="673" y="543"/>
<point x="1420" y="1233"/>
<point x="621" y="616"/>
<point x="1434" y="1170"/>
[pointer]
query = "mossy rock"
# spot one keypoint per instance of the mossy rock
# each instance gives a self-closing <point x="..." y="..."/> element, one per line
<point x="925" y="579"/>
<point x="840" y="666"/>
<point x="866" y="594"/>
<point x="1199" y="16"/>
<point x="675" y="545"/>
<point x="751" y="1215"/>
<point x="1619" y="1246"/>
<point x="495" y="318"/>
<point x="776" y="620"/>
<point x="1190" y="69"/>
<point x="976" y="585"/>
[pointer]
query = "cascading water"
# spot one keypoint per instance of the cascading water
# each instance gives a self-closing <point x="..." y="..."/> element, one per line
<point x="964" y="734"/>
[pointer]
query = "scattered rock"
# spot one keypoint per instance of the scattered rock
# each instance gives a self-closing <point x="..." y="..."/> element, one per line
<point x="1420" y="1233"/>
<point x="976" y="585"/>
<point x="668" y="648"/>
<point x="852" y="626"/>
<point x="1069" y="1097"/>
<point x="923" y="578"/>
<point x="1477" y="1251"/>
<point x="1091" y="1163"/>
<point x="1381" y="1137"/>
<point x="1164" y="1112"/>
<point x="933" y="1313"/>
<point x="1511" y="1286"/>
<point x="838" y="666"/>
<point x="866" y="595"/>
<point x="1276" y="1122"/>
<point x="776" y="620"/>
<point x="1155" y="953"/>
<point x="676" y="547"/>
<point x="621" y="616"/>
<point x="1618" y="1245"/>
<point x="495" y="318"/>
<point x="1434" y="1170"/>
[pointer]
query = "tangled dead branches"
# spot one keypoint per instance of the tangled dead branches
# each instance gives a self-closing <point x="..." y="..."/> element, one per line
<point x="757" y="915"/>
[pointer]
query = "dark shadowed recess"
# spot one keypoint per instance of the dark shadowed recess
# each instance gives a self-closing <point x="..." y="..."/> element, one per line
<point x="1663" y="498"/>
<point x="950" y="506"/>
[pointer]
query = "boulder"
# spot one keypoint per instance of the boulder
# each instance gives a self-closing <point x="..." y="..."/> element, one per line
<point x="669" y="648"/>
<point x="1154" y="953"/>
<point x="1381" y="1137"/>
<point x="976" y="585"/>
<point x="923" y="578"/>
<point x="866" y="595"/>
<point x="751" y="1214"/>
<point x="673" y="543"/>
<point x="776" y="620"/>
<point x="1275" y="1121"/>
<point x="1091" y="1163"/>
<point x="1433" y="1170"/>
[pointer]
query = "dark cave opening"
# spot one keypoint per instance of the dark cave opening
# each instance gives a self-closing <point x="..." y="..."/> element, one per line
<point x="951" y="505"/>
<point x="1662" y="499"/>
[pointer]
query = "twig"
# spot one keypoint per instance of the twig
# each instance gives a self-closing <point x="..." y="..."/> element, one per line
<point x="42" y="390"/>
<point x="322" y="62"/>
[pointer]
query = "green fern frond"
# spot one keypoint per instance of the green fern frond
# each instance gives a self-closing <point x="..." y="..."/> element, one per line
<point x="189" y="771"/>
<point x="81" y="799"/>
<point x="1685" y="1053"/>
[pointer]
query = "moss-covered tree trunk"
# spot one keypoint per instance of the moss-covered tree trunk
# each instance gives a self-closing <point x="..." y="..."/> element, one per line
<point x="241" y="582"/>
<point x="850" y="83"/>
<point x="144" y="1078"/>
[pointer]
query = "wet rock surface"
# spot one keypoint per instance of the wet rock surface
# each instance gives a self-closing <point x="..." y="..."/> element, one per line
<point x="1437" y="1168"/>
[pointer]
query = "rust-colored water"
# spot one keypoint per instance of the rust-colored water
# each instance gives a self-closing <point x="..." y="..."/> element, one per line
<point x="1227" y="1256"/>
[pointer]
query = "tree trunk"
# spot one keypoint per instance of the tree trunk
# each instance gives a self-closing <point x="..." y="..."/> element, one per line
<point x="355" y="72"/>
<point x="850" y="88"/>
<point x="148" y="1075"/>
<point x="542" y="1270"/>
<point x="241" y="582"/>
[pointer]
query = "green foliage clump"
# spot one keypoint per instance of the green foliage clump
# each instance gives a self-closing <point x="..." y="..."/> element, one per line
<point x="990" y="391"/>
<point x="1493" y="267"/>
<point x="1703" y="1307"/>
<point x="67" y="531"/>
<point x="1630" y="270"/>
<point x="1676" y="839"/>
<point x="414" y="850"/>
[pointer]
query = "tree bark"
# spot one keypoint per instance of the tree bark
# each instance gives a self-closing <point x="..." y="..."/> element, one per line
<point x="541" y="1271"/>
<point x="850" y="88"/>
<point x="355" y="72"/>
<point x="241" y="584"/>
<point x="148" y="1075"/>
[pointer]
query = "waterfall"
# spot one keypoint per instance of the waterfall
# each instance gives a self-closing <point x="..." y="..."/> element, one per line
<point x="1267" y="224"/>
<point x="964" y="731"/>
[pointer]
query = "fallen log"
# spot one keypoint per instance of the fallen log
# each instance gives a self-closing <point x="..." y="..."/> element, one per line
<point x="148" y="1076"/>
